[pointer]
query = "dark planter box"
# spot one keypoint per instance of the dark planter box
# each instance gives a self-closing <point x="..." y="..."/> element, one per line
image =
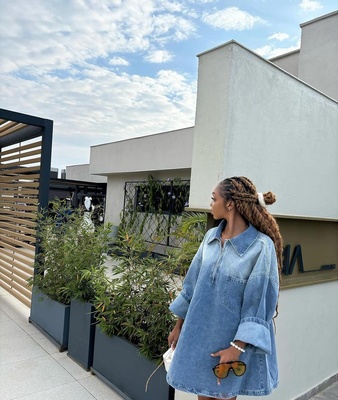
<point x="81" y="333"/>
<point x="120" y="365"/>
<point x="51" y="317"/>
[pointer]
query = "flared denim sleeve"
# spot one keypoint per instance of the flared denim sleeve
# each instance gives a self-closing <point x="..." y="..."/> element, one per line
<point x="180" y="305"/>
<point x="259" y="302"/>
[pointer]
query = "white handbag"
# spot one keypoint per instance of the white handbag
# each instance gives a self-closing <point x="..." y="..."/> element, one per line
<point x="167" y="358"/>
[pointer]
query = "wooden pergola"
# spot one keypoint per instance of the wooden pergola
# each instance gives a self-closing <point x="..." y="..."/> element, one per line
<point x="25" y="156"/>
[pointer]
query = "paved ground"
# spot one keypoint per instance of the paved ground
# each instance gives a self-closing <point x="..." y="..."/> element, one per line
<point x="31" y="366"/>
<point x="331" y="393"/>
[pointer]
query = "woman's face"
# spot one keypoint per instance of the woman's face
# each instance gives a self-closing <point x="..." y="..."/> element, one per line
<point x="218" y="207"/>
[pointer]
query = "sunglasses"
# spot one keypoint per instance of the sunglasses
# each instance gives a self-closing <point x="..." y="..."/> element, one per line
<point x="222" y="370"/>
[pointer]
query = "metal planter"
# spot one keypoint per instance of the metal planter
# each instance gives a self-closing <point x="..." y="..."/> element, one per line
<point x="119" y="363"/>
<point x="51" y="317"/>
<point x="81" y="333"/>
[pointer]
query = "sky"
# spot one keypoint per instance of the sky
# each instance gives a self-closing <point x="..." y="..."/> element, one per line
<point x="109" y="70"/>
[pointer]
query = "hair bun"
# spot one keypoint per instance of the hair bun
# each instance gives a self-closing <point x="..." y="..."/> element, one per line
<point x="269" y="198"/>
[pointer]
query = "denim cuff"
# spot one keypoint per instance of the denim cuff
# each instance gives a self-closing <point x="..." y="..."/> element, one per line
<point x="255" y="331"/>
<point x="179" y="306"/>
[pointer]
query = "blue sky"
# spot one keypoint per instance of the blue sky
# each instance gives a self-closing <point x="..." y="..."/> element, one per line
<point x="107" y="70"/>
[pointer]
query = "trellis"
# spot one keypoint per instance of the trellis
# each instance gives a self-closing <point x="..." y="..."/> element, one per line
<point x="153" y="208"/>
<point x="25" y="154"/>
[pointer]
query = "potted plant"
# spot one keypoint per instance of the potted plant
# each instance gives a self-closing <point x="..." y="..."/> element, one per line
<point x="69" y="265"/>
<point x="134" y="321"/>
<point x="81" y="320"/>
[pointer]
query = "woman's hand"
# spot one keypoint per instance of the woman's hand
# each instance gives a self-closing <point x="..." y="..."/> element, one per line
<point x="175" y="333"/>
<point x="230" y="353"/>
<point x="226" y="355"/>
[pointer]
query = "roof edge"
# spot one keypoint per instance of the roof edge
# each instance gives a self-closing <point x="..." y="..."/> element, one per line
<point x="318" y="18"/>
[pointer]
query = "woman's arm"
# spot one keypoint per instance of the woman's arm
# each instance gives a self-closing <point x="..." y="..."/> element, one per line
<point x="259" y="302"/>
<point x="175" y="333"/>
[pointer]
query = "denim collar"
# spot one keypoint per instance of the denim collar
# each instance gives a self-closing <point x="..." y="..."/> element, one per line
<point x="241" y="242"/>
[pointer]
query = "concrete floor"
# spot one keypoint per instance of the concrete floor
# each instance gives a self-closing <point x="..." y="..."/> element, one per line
<point x="330" y="393"/>
<point x="31" y="366"/>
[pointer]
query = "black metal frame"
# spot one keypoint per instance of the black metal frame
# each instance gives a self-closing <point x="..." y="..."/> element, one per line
<point x="36" y="127"/>
<point x="18" y="129"/>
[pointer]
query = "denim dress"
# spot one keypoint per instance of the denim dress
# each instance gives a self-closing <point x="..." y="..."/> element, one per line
<point x="229" y="293"/>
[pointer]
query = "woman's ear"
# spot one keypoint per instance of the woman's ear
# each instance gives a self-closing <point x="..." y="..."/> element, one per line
<point x="230" y="205"/>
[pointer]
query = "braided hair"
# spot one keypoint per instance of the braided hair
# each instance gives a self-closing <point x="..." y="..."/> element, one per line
<point x="245" y="197"/>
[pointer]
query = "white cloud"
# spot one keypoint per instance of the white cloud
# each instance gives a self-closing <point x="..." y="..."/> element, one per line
<point x="280" y="36"/>
<point x="101" y="106"/>
<point x="170" y="27"/>
<point x="52" y="64"/>
<point x="118" y="61"/>
<point x="232" y="18"/>
<point x="269" y="51"/>
<point x="202" y="1"/>
<point x="159" y="56"/>
<point x="60" y="33"/>
<point x="170" y="5"/>
<point x="310" y="5"/>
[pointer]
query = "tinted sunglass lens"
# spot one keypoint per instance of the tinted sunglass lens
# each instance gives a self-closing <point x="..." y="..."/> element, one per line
<point x="239" y="368"/>
<point x="222" y="370"/>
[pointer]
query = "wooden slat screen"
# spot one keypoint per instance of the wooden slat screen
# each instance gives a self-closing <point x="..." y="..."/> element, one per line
<point x="19" y="193"/>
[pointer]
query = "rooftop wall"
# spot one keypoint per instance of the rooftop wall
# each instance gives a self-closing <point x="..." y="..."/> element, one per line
<point x="164" y="151"/>
<point x="318" y="59"/>
<point x="256" y="120"/>
<point x="288" y="61"/>
<point x="81" y="173"/>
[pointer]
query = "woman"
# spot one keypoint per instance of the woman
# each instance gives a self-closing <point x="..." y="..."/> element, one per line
<point x="224" y="335"/>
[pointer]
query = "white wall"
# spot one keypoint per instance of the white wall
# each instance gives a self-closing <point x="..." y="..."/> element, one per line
<point x="115" y="189"/>
<point x="307" y="328"/>
<point x="81" y="173"/>
<point x="318" y="60"/>
<point x="164" y="151"/>
<point x="288" y="61"/>
<point x="165" y="155"/>
<point x="256" y="120"/>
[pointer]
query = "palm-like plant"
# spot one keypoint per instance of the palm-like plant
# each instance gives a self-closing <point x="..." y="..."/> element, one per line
<point x="71" y="260"/>
<point x="190" y="230"/>
<point x="136" y="305"/>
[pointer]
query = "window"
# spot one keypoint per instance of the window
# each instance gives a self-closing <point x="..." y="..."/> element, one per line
<point x="164" y="197"/>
